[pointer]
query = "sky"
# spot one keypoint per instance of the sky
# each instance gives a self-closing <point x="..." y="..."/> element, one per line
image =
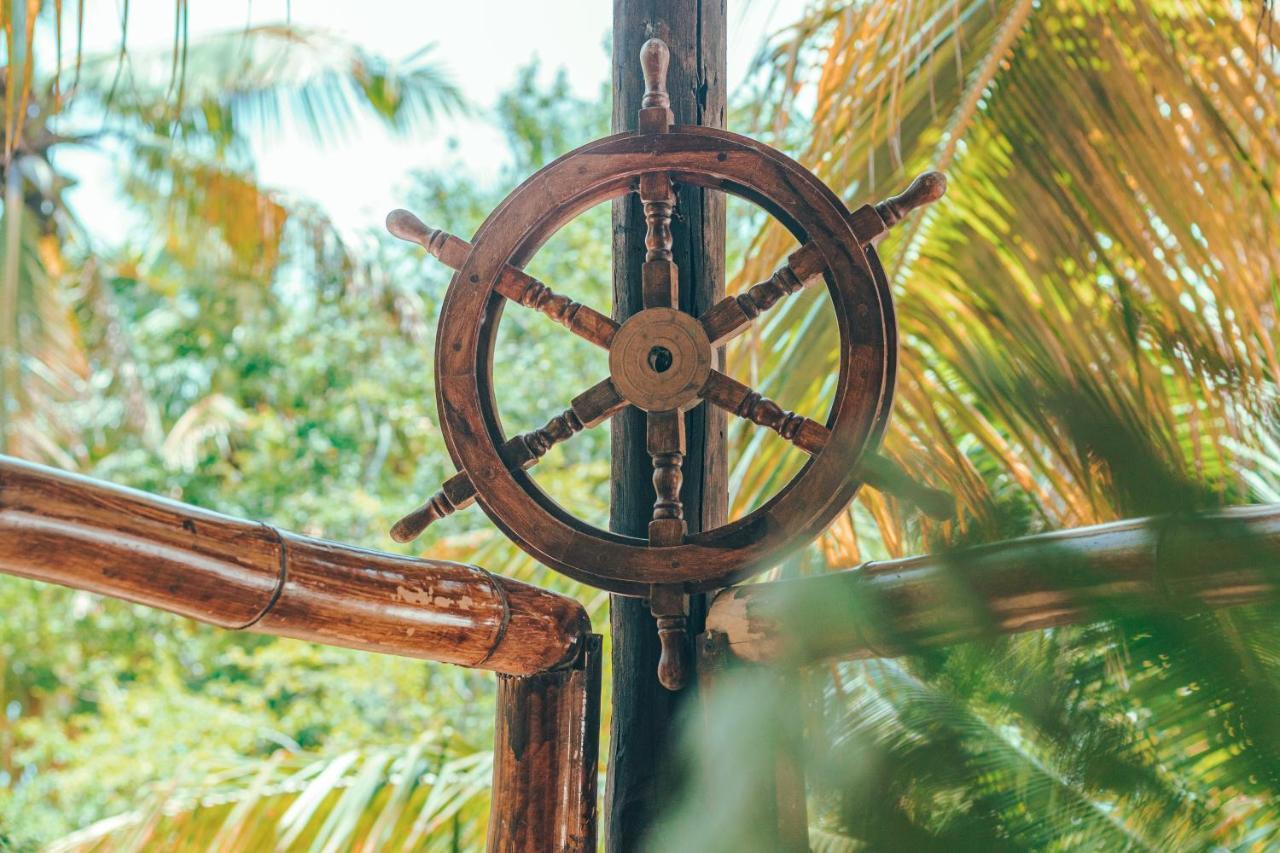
<point x="480" y="43"/>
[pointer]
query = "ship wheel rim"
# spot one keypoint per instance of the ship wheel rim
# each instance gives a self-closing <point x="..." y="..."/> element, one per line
<point x="518" y="227"/>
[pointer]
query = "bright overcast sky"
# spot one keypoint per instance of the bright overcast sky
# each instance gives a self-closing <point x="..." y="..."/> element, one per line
<point x="480" y="43"/>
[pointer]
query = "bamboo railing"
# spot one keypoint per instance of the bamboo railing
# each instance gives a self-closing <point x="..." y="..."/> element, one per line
<point x="886" y="609"/>
<point x="244" y="575"/>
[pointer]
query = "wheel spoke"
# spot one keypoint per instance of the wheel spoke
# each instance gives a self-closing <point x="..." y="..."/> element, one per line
<point x="514" y="284"/>
<point x="659" y="276"/>
<point x="590" y="408"/>
<point x="665" y="442"/>
<point x="733" y="314"/>
<point x="878" y="472"/>
<point x="732" y="396"/>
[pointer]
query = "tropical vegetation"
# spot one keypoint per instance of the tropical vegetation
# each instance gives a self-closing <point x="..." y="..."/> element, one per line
<point x="1088" y="328"/>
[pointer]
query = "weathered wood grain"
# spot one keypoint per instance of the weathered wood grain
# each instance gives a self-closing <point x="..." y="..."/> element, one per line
<point x="515" y="284"/>
<point x="65" y="529"/>
<point x="546" y="759"/>
<point x="702" y="157"/>
<point x="732" y="396"/>
<point x="589" y="409"/>
<point x="643" y="732"/>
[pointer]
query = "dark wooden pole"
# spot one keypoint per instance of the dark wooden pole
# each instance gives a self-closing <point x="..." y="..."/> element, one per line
<point x="1072" y="576"/>
<point x="546" y="759"/>
<point x="643" y="711"/>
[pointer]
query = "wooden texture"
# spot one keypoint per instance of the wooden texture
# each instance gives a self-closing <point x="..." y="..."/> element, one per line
<point x="736" y="398"/>
<point x="514" y="284"/>
<point x="546" y="759"/>
<point x="65" y="529"/>
<point x="663" y="350"/>
<point x="655" y="62"/>
<point x="925" y="189"/>
<point x="457" y="492"/>
<point x="670" y="609"/>
<point x="732" y="315"/>
<point x="642" y="740"/>
<point x="671" y="382"/>
<point x="885" y="609"/>
<point x="661" y="358"/>
<point x="660" y="276"/>
<point x="711" y="159"/>
<point x="666" y="444"/>
<point x="589" y="409"/>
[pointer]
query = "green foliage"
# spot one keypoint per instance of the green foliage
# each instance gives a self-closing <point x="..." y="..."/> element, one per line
<point x="296" y="389"/>
<point x="1088" y="332"/>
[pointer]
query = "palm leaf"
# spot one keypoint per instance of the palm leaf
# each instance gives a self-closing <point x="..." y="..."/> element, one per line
<point x="386" y="799"/>
<point x="260" y="78"/>
<point x="1062" y="249"/>
<point x="1087" y="332"/>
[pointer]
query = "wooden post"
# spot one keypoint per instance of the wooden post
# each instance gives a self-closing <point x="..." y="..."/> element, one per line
<point x="546" y="759"/>
<point x="642" y="720"/>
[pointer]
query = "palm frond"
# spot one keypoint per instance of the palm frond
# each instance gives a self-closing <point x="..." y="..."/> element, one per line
<point x="257" y="79"/>
<point x="43" y="355"/>
<point x="429" y="796"/>
<point x="1063" y="252"/>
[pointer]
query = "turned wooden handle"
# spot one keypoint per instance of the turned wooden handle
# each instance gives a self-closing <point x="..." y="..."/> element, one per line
<point x="451" y="250"/>
<point x="412" y="525"/>
<point x="925" y="189"/>
<point x="655" y="59"/>
<point x="403" y="224"/>
<point x="670" y="608"/>
<point x="458" y="491"/>
<point x="655" y="106"/>
<point x="673" y="663"/>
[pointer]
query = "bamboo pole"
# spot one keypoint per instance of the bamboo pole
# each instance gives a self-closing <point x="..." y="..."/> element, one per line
<point x="889" y="608"/>
<point x="546" y="759"/>
<point x="244" y="575"/>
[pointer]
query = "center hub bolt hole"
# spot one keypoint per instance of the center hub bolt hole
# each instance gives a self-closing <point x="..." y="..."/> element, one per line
<point x="660" y="359"/>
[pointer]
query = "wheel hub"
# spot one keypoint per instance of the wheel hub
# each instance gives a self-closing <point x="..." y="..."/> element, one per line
<point x="660" y="360"/>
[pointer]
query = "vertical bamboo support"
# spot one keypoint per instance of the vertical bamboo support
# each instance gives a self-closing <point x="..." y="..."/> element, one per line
<point x="546" y="759"/>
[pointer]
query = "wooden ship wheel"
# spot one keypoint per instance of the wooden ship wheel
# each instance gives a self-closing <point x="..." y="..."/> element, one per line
<point x="661" y="360"/>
